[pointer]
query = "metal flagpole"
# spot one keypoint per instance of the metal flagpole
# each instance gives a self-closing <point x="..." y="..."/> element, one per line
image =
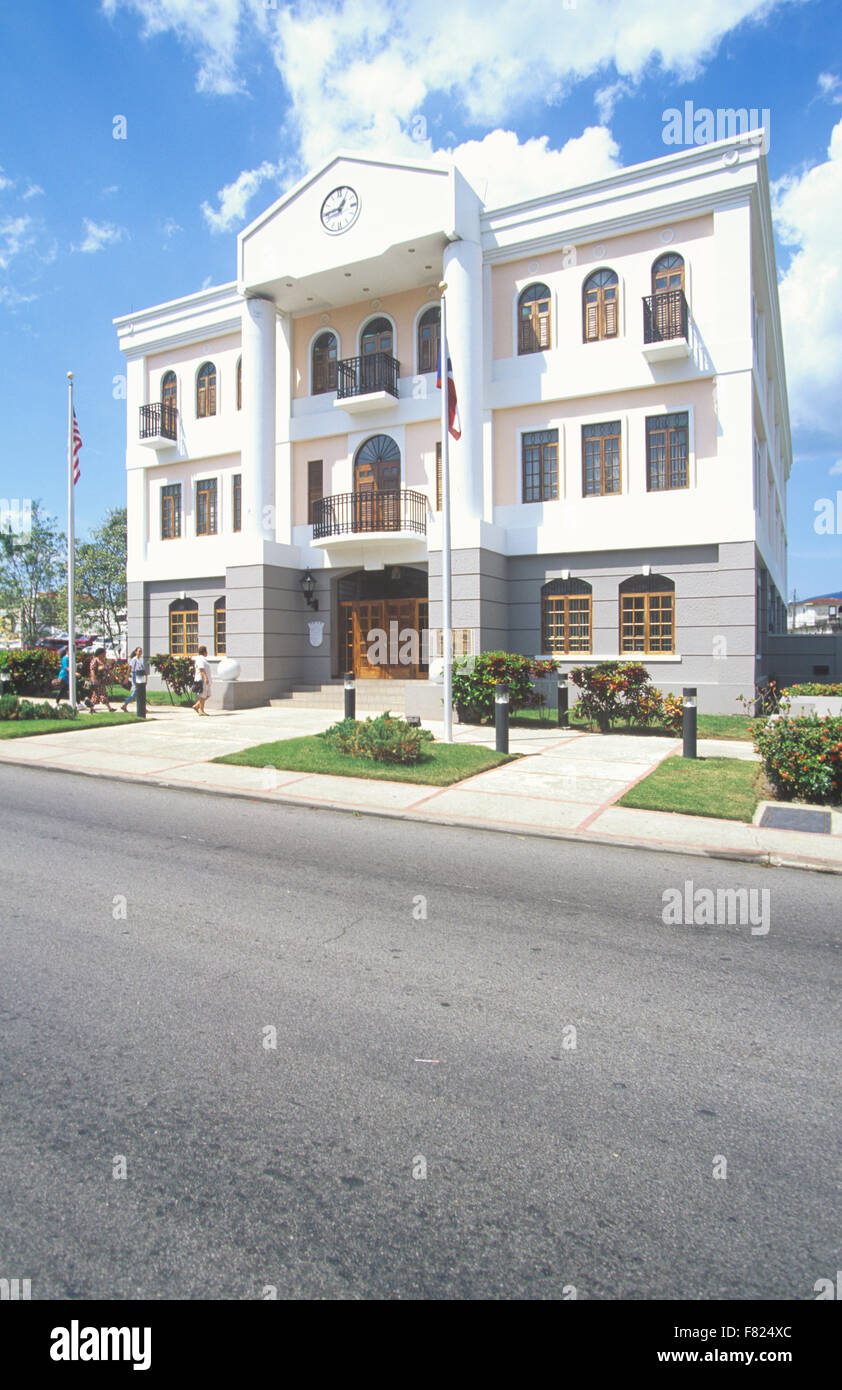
<point x="71" y="552"/>
<point x="446" y="600"/>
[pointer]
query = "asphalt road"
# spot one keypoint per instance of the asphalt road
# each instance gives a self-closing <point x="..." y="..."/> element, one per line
<point x="400" y="1038"/>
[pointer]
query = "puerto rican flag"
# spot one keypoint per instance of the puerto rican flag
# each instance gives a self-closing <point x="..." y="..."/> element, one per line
<point x="454" y="424"/>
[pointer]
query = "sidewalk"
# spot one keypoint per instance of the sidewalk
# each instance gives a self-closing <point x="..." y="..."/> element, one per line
<point x="565" y="787"/>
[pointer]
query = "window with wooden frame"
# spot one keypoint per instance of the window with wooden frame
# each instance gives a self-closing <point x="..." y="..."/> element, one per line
<point x="429" y="329"/>
<point x="533" y="319"/>
<point x="668" y="273"/>
<point x="566" y="616"/>
<point x="647" y="614"/>
<point x="169" y="390"/>
<point x="184" y="627"/>
<point x="239" y="383"/>
<point x="206" y="391"/>
<point x="219" y="619"/>
<point x="171" y="512"/>
<point x="667" y="451"/>
<point x="325" y="354"/>
<point x="237" y="500"/>
<point x="540" y="465"/>
<point x="601" y="467"/>
<point x="438" y="475"/>
<point x="600" y="295"/>
<point x="315" y="487"/>
<point x="206" y="512"/>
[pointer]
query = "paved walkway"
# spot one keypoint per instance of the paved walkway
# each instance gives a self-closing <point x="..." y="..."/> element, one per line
<point x="566" y="786"/>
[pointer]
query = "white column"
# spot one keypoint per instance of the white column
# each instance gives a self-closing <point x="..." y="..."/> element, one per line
<point x="463" y="274"/>
<point x="283" y="413"/>
<point x="258" y="452"/>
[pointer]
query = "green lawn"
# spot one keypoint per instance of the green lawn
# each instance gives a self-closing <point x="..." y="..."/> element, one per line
<point x="726" y="788"/>
<point x="727" y="726"/>
<point x="440" y="763"/>
<point x="25" y="728"/>
<point x="153" y="697"/>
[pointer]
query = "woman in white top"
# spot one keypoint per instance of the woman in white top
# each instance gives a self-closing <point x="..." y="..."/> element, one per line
<point x="201" y="672"/>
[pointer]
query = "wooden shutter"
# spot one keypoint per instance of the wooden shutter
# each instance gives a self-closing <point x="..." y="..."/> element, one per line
<point x="315" y="490"/>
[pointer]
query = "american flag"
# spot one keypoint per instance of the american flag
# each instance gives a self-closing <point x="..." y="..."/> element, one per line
<point x="454" y="424"/>
<point x="77" y="444"/>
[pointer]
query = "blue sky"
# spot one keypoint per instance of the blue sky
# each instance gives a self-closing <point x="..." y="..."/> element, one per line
<point x="228" y="102"/>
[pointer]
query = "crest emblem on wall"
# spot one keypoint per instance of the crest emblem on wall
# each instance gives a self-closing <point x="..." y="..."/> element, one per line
<point x="316" y="633"/>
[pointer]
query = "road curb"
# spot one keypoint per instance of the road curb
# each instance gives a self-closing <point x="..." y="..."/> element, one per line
<point x="765" y="859"/>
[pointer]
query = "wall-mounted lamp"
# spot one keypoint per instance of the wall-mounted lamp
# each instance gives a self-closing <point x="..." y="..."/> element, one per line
<point x="308" y="588"/>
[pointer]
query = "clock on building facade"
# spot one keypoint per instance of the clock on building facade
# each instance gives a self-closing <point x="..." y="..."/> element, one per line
<point x="340" y="210"/>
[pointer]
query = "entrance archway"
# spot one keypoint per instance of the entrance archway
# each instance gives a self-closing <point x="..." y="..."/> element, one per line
<point x="392" y="604"/>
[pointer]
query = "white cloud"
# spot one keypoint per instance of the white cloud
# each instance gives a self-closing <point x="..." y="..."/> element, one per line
<point x="33" y="190"/>
<point x="836" y="467"/>
<point x="606" y="98"/>
<point x="505" y="170"/>
<point x="98" y="235"/>
<point x="808" y="212"/>
<point x="830" y="87"/>
<point x="211" y="27"/>
<point x="234" y="197"/>
<point x="170" y="228"/>
<point x="4" y="182"/>
<point x="17" y="234"/>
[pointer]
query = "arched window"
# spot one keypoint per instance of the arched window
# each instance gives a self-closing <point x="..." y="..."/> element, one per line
<point x="566" y="622"/>
<point x="377" y="337"/>
<point x="206" y="391"/>
<point x="239" y="383"/>
<point x="184" y="627"/>
<point x="325" y="353"/>
<point x="169" y="390"/>
<point x="600" y="301"/>
<point x="429" y="332"/>
<point x="219" y="627"/>
<point x="533" y="319"/>
<point x="647" y="614"/>
<point x="668" y="273"/>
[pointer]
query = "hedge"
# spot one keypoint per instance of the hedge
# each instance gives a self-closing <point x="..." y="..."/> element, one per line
<point x="802" y="757"/>
<point x="32" y="671"/>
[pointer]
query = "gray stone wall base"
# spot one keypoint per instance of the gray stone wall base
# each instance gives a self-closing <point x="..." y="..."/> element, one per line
<point x="424" y="699"/>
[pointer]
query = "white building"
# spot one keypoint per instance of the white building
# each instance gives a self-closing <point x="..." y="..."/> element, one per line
<point x="820" y="614"/>
<point x="619" y="488"/>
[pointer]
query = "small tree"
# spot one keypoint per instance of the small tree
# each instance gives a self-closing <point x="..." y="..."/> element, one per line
<point x="101" y="578"/>
<point x="30" y="574"/>
<point x="475" y="677"/>
<point x="175" y="671"/>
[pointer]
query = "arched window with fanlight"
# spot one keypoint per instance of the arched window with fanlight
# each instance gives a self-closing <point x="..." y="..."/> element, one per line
<point x="647" y="614"/>
<point x="429" y="331"/>
<point x="325" y="353"/>
<point x="377" y="336"/>
<point x="533" y="314"/>
<point x="668" y="303"/>
<point x="377" y="483"/>
<point x="184" y="627"/>
<point x="206" y="391"/>
<point x="600" y="305"/>
<point x="566" y="616"/>
<point x="169" y="405"/>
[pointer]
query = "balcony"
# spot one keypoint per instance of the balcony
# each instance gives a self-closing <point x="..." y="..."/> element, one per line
<point x="366" y="383"/>
<point x="373" y="527"/>
<point x="665" y="326"/>
<point x="158" y="424"/>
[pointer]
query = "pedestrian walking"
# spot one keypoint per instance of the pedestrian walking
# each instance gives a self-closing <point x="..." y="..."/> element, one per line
<point x="136" y="668"/>
<point x="99" y="679"/>
<point x="64" y="678"/>
<point x="201" y="681"/>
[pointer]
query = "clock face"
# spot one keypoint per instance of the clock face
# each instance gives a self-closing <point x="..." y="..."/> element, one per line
<point x="340" y="210"/>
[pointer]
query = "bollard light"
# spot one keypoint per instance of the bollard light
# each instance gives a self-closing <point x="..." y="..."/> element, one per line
<point x="689" y="724"/>
<point x="501" y="716"/>
<point x="563" y="701"/>
<point x="350" y="695"/>
<point x="140" y="695"/>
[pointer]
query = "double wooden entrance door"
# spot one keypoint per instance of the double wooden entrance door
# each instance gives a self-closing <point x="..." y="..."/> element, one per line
<point x="391" y="653"/>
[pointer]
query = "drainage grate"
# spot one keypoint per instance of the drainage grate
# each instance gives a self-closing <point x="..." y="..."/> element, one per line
<point x="796" y="818"/>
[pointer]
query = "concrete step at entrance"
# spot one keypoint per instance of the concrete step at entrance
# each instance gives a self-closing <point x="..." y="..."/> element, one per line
<point x="373" y="697"/>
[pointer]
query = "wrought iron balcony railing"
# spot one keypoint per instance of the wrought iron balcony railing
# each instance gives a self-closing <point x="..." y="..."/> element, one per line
<point x="355" y="513"/>
<point x="358" y="376"/>
<point x="158" y="421"/>
<point x="664" y="316"/>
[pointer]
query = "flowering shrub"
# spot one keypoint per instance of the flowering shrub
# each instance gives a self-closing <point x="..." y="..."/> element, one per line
<point x="802" y="757"/>
<point x="814" y="688"/>
<point x="175" y="671"/>
<point x="31" y="672"/>
<point x="475" y="677"/>
<point x="623" y="689"/>
<point x="383" y="740"/>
